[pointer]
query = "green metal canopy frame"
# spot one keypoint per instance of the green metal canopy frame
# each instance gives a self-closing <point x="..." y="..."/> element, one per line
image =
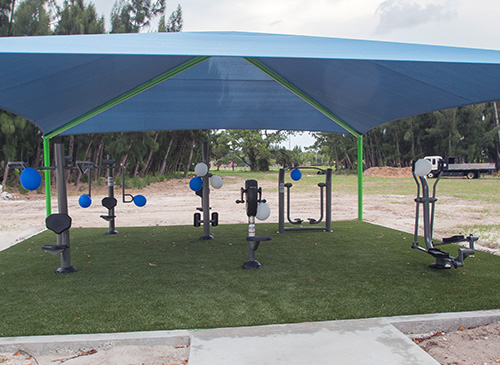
<point x="181" y="68"/>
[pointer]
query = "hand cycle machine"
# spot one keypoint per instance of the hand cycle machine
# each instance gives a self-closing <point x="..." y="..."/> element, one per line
<point x="444" y="260"/>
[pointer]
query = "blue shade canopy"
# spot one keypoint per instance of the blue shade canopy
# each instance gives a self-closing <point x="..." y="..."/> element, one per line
<point x="211" y="80"/>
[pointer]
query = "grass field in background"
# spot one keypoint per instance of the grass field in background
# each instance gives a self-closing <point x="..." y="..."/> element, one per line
<point x="162" y="278"/>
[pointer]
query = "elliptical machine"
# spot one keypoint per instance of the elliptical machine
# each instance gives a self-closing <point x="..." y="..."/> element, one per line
<point x="420" y="170"/>
<point x="255" y="207"/>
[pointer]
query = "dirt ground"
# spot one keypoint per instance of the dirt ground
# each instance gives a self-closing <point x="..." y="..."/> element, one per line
<point x="471" y="346"/>
<point x="173" y="203"/>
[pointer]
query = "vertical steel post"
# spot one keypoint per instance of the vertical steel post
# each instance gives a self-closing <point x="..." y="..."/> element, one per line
<point x="111" y="194"/>
<point x="205" y="200"/>
<point x="62" y="205"/>
<point x="328" y="221"/>
<point x="360" y="177"/>
<point x="426" y="213"/>
<point x="46" y="163"/>
<point x="281" y="201"/>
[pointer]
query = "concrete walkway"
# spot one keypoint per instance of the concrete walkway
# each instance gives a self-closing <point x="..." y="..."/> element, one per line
<point x="365" y="341"/>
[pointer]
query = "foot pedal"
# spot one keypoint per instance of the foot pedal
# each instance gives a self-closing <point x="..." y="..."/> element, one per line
<point x="438" y="253"/>
<point x="55" y="249"/>
<point x="215" y="219"/>
<point x="297" y="221"/>
<point x="108" y="217"/>
<point x="197" y="219"/>
<point x="454" y="239"/>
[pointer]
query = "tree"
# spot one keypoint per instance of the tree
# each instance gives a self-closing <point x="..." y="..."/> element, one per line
<point x="288" y="158"/>
<point x="130" y="16"/>
<point x="31" y="19"/>
<point x="78" y="18"/>
<point x="174" y="22"/>
<point x="6" y="13"/>
<point x="253" y="146"/>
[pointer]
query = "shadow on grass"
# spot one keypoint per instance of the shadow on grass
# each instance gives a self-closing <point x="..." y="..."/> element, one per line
<point x="162" y="278"/>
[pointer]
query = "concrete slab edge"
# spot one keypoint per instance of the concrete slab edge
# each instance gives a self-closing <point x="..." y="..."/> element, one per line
<point x="55" y="343"/>
<point x="416" y="326"/>
<point x="413" y="326"/>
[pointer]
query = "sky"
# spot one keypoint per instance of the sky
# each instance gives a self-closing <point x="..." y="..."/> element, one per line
<point x="462" y="23"/>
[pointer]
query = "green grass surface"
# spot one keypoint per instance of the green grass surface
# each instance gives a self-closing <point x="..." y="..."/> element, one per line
<point x="161" y="278"/>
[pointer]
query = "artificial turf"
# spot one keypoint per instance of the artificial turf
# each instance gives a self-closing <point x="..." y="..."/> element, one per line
<point x="162" y="278"/>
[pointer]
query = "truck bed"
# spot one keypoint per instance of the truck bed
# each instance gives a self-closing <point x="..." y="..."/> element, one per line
<point x="471" y="166"/>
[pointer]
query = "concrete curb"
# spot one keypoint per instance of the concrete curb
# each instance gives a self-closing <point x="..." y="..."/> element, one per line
<point x="364" y="341"/>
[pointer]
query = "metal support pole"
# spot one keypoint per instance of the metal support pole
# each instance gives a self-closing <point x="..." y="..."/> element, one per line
<point x="46" y="163"/>
<point x="62" y="205"/>
<point x="111" y="194"/>
<point x="251" y="233"/>
<point x="426" y="213"/>
<point x="360" y="177"/>
<point x="281" y="201"/>
<point x="205" y="200"/>
<point x="328" y="200"/>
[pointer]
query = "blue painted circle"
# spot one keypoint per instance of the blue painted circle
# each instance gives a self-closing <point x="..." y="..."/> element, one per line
<point x="196" y="183"/>
<point x="296" y="174"/>
<point x="85" y="201"/>
<point x="30" y="179"/>
<point x="140" y="200"/>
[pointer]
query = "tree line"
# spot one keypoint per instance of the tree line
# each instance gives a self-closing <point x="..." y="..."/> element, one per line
<point x="47" y="17"/>
<point x="470" y="133"/>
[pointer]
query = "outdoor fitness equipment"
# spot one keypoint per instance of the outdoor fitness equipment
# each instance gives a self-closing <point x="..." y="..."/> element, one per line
<point x="255" y="207"/>
<point x="110" y="201"/>
<point x="325" y="203"/>
<point x="200" y="184"/>
<point x="420" y="170"/>
<point x="59" y="223"/>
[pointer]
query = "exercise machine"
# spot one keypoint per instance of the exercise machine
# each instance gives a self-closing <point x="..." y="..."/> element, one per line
<point x="444" y="260"/>
<point x="60" y="222"/>
<point x="325" y="191"/>
<point x="109" y="202"/>
<point x="200" y="184"/>
<point x="256" y="207"/>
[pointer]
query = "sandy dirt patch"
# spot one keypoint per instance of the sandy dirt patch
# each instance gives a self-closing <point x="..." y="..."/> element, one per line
<point x="106" y="354"/>
<point x="480" y="345"/>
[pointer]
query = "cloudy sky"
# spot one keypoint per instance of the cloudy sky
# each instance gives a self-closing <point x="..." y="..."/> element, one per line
<point x="465" y="23"/>
<point x="444" y="22"/>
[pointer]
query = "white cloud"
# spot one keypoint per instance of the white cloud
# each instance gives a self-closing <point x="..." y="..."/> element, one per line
<point x="397" y="14"/>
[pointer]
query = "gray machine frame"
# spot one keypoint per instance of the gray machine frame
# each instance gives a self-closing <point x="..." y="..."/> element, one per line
<point x="443" y="259"/>
<point x="109" y="164"/>
<point x="63" y="241"/>
<point x="204" y="193"/>
<point x="327" y="204"/>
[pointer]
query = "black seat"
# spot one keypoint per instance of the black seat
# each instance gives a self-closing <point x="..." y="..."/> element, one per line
<point x="108" y="202"/>
<point x="58" y="222"/>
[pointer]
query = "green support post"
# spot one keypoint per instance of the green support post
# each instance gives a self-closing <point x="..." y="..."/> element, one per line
<point x="46" y="163"/>
<point x="360" y="178"/>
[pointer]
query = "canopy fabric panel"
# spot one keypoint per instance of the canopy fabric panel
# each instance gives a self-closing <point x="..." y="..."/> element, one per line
<point x="59" y="81"/>
<point x="197" y="99"/>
